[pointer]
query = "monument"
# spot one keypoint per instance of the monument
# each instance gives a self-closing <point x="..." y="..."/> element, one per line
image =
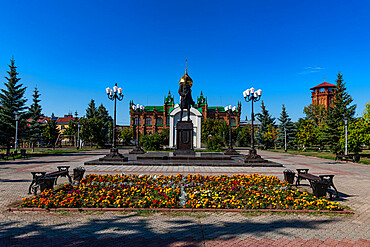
<point x="184" y="129"/>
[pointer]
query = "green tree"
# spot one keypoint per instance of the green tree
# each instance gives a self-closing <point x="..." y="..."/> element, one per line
<point x="244" y="136"/>
<point x="91" y="110"/>
<point x="91" y="130"/>
<point x="336" y="114"/>
<point x="215" y="133"/>
<point x="34" y="113"/>
<point x="358" y="134"/>
<point x="315" y="112"/>
<point x="366" y="114"/>
<point x="126" y="135"/>
<point x="72" y="129"/>
<point x="51" y="132"/>
<point x="107" y="120"/>
<point x="286" y="126"/>
<point x="12" y="102"/>
<point x="267" y="121"/>
<point x="307" y="133"/>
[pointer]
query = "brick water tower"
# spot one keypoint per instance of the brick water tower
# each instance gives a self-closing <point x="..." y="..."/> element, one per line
<point x="323" y="94"/>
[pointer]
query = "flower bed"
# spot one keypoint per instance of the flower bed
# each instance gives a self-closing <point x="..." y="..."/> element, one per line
<point x="192" y="191"/>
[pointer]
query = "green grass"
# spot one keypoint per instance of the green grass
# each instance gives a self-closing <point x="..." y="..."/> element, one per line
<point x="47" y="151"/>
<point x="365" y="154"/>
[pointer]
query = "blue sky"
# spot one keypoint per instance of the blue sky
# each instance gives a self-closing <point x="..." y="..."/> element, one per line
<point x="73" y="50"/>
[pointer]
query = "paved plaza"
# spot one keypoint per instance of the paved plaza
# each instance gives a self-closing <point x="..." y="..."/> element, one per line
<point x="184" y="229"/>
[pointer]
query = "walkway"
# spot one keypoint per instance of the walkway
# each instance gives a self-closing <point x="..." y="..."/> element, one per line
<point x="184" y="229"/>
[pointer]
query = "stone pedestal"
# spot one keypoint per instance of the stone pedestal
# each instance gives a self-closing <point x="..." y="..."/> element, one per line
<point x="184" y="138"/>
<point x="253" y="157"/>
<point x="113" y="156"/>
<point x="137" y="150"/>
<point x="231" y="151"/>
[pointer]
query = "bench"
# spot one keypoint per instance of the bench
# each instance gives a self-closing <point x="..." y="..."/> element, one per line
<point x="8" y="155"/>
<point x="314" y="180"/>
<point x="348" y="157"/>
<point x="24" y="153"/>
<point x="44" y="180"/>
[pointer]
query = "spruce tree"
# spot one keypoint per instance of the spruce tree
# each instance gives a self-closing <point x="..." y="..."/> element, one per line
<point x="91" y="110"/>
<point x="34" y="113"/>
<point x="12" y="102"/>
<point x="103" y="115"/>
<point x="267" y="121"/>
<point x="51" y="132"/>
<point x="286" y="126"/>
<point x="336" y="114"/>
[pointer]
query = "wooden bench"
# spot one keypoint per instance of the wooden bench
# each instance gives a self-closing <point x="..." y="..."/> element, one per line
<point x="348" y="157"/>
<point x="24" y="153"/>
<point x="304" y="175"/>
<point x="42" y="179"/>
<point x="8" y="155"/>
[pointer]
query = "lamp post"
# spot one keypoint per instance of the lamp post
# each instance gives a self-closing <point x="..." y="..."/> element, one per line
<point x="78" y="135"/>
<point x="230" y="151"/>
<point x="114" y="95"/>
<point x="285" y="146"/>
<point x="138" y="109"/>
<point x="252" y="95"/>
<point x="346" y="129"/>
<point x="16" y="133"/>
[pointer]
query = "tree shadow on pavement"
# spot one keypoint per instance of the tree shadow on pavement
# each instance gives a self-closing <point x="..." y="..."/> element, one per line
<point x="156" y="230"/>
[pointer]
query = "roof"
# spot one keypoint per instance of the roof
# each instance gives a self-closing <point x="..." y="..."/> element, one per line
<point x="64" y="119"/>
<point x="151" y="108"/>
<point x="324" y="84"/>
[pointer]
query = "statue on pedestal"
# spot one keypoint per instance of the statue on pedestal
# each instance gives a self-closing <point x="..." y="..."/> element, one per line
<point x="186" y="101"/>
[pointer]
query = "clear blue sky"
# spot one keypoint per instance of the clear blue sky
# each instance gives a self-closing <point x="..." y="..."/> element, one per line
<point x="73" y="50"/>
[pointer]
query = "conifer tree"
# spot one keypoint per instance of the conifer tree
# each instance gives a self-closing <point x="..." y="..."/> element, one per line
<point x="103" y="115"/>
<point x="34" y="113"/>
<point x="267" y="122"/>
<point x="51" y="132"/>
<point x="91" y="110"/>
<point x="12" y="102"/>
<point x="336" y="114"/>
<point x="286" y="126"/>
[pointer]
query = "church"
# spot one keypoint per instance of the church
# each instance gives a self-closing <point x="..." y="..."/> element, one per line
<point x="156" y="118"/>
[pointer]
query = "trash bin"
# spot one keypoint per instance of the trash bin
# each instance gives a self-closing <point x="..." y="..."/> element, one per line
<point x="289" y="176"/>
<point x="78" y="174"/>
<point x="319" y="188"/>
<point x="46" y="183"/>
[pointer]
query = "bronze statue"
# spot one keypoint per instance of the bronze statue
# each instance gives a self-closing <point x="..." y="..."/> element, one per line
<point x="185" y="92"/>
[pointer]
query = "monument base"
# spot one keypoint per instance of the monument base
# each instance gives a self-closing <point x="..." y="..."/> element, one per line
<point x="231" y="151"/>
<point x="184" y="138"/>
<point x="137" y="150"/>
<point x="114" y="156"/>
<point x="253" y="157"/>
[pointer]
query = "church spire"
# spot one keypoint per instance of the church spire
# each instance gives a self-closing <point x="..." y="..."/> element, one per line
<point x="186" y="65"/>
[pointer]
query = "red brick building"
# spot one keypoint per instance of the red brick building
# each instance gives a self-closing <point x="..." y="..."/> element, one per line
<point x="323" y="94"/>
<point x="156" y="118"/>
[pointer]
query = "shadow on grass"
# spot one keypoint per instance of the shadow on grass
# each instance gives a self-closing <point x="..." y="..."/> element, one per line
<point x="131" y="230"/>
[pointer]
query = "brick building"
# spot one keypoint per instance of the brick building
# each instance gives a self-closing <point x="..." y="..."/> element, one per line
<point x="155" y="118"/>
<point x="323" y="94"/>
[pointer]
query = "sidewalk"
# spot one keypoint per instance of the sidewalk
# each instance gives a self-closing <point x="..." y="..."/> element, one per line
<point x="180" y="229"/>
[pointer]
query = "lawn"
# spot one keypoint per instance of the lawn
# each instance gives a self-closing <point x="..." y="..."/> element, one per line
<point x="365" y="154"/>
<point x="191" y="191"/>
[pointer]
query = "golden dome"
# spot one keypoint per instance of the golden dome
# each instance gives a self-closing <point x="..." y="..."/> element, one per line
<point x="186" y="79"/>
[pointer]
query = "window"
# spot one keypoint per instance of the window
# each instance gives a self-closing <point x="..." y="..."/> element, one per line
<point x="137" y="121"/>
<point x="159" y="121"/>
<point x="148" y="121"/>
<point x="322" y="90"/>
<point x="330" y="89"/>
<point x="168" y="120"/>
<point x="233" y="122"/>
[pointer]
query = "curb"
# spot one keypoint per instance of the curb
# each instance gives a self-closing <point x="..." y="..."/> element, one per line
<point x="345" y="211"/>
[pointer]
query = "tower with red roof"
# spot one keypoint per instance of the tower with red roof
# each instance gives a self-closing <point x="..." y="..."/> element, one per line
<point x="323" y="94"/>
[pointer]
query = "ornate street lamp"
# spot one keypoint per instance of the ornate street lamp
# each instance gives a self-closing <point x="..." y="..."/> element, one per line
<point x="114" y="95"/>
<point x="230" y="151"/>
<point x="138" y="109"/>
<point x="16" y="133"/>
<point x="252" y="95"/>
<point x="346" y="131"/>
